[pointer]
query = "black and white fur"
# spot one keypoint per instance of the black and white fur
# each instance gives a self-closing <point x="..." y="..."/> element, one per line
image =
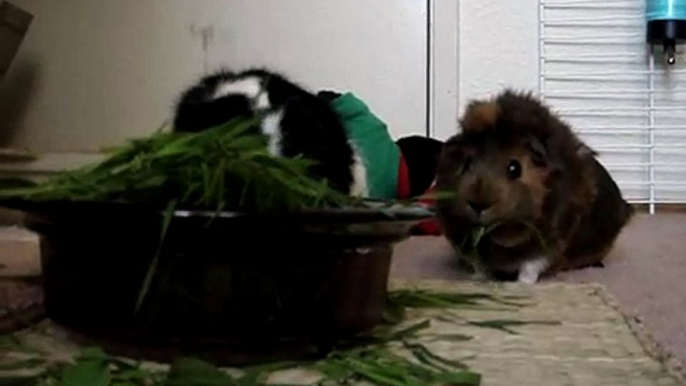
<point x="295" y="121"/>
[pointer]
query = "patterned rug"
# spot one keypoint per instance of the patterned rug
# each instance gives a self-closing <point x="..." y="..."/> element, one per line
<point x="593" y="343"/>
<point x="550" y="334"/>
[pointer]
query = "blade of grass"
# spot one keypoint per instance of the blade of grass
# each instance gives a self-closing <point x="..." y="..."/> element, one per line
<point x="152" y="269"/>
<point x="421" y="351"/>
<point x="504" y="325"/>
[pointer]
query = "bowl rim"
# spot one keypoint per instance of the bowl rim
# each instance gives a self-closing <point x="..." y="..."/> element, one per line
<point x="370" y="211"/>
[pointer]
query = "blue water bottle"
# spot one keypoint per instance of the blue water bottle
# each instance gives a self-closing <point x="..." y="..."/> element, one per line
<point x="666" y="25"/>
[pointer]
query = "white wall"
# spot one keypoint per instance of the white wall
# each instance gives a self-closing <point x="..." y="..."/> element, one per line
<point x="92" y="73"/>
<point x="498" y="47"/>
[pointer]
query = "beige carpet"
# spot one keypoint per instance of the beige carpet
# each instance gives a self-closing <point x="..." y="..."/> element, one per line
<point x="646" y="273"/>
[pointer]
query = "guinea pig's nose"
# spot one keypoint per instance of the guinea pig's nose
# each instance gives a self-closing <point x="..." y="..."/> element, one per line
<point x="479" y="206"/>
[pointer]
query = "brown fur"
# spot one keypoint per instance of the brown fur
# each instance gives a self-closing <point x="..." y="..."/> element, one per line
<point x="483" y="114"/>
<point x="563" y="190"/>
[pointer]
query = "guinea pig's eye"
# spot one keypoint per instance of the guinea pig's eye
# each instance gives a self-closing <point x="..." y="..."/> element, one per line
<point x="514" y="170"/>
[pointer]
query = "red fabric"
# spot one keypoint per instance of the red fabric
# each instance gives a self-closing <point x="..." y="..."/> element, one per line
<point x="428" y="227"/>
<point x="425" y="228"/>
<point x="403" y="180"/>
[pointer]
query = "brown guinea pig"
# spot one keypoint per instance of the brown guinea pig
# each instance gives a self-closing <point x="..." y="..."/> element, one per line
<point x="529" y="198"/>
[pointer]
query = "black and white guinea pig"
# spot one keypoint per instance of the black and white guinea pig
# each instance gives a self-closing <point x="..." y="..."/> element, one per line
<point x="295" y="121"/>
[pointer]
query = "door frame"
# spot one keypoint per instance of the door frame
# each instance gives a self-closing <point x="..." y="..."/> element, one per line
<point x="443" y="68"/>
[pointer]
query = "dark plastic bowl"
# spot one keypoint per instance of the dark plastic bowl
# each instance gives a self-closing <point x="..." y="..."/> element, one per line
<point x="249" y="284"/>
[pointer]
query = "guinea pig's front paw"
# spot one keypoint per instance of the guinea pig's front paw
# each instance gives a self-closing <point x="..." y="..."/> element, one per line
<point x="531" y="270"/>
<point x="526" y="277"/>
<point x="480" y="273"/>
<point x="479" y="276"/>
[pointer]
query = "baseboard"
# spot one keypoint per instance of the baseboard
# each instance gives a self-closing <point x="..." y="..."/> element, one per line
<point x="46" y="165"/>
<point x="38" y="168"/>
<point x="661" y="208"/>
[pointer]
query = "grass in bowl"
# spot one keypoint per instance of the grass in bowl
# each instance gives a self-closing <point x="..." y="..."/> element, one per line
<point x="227" y="167"/>
<point x="224" y="168"/>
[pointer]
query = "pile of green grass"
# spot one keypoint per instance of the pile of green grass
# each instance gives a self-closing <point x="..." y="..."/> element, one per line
<point x="227" y="167"/>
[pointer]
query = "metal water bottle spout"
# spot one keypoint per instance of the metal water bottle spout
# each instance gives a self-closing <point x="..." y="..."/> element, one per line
<point x="670" y="51"/>
<point x="666" y="25"/>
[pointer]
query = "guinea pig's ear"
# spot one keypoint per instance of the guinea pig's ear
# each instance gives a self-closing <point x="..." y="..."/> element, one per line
<point x="585" y="151"/>
<point x="480" y="116"/>
<point x="538" y="152"/>
<point x="542" y="155"/>
<point x="453" y="155"/>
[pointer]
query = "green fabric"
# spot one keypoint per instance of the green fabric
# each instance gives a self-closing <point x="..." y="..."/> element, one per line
<point x="379" y="151"/>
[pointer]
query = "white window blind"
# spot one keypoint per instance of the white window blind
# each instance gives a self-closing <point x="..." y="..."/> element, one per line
<point x="598" y="73"/>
